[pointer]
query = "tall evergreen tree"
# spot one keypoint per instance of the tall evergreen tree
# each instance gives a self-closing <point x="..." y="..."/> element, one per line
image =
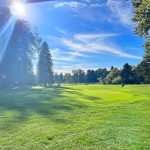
<point x="45" y="66"/>
<point x="16" y="64"/>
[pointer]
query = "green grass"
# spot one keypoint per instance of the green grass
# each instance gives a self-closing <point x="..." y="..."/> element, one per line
<point x="82" y="117"/>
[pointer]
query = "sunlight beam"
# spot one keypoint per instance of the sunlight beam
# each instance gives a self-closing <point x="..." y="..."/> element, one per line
<point x="5" y="36"/>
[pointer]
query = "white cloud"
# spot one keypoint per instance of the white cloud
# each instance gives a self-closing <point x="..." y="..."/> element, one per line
<point x="61" y="30"/>
<point x="115" y="11"/>
<point x="90" y="37"/>
<point x="66" y="61"/>
<point x="85" y="9"/>
<point x="78" y="54"/>
<point x="71" y="4"/>
<point x="95" y="43"/>
<point x="57" y="55"/>
<point x="76" y="4"/>
<point x="121" y="10"/>
<point x="66" y="56"/>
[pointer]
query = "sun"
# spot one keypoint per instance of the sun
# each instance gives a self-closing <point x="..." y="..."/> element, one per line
<point x="18" y="9"/>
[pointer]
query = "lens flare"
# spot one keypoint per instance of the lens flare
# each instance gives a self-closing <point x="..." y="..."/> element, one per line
<point x="17" y="9"/>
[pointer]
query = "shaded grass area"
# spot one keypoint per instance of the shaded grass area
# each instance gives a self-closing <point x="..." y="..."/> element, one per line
<point x="81" y="117"/>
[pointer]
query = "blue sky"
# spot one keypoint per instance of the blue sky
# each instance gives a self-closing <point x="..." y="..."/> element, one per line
<point x="87" y="34"/>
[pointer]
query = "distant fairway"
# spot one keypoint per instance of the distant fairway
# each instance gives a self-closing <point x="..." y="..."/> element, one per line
<point x="82" y="117"/>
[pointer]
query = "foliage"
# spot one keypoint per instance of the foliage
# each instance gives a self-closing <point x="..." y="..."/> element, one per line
<point x="78" y="76"/>
<point x="143" y="72"/>
<point x="91" y="76"/>
<point x="68" y="78"/>
<point x="45" y="66"/>
<point x="127" y="75"/>
<point x="113" y="73"/>
<point x="61" y="80"/>
<point x="142" y="19"/>
<point x="101" y="73"/>
<point x="16" y="64"/>
<point x="117" y="80"/>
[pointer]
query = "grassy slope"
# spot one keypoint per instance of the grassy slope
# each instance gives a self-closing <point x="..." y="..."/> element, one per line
<point x="76" y="117"/>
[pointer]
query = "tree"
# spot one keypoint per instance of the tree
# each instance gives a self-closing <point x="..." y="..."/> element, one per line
<point x="45" y="66"/>
<point x="78" y="76"/>
<point x="112" y="75"/>
<point x="142" y="19"/>
<point x="61" y="78"/>
<point x="75" y="76"/>
<point x="68" y="78"/>
<point x="81" y="76"/>
<point x="56" y="78"/>
<point x="117" y="80"/>
<point x="101" y="73"/>
<point x="127" y="74"/>
<point x="16" y="64"/>
<point x="142" y="16"/>
<point x="91" y="76"/>
<point x="147" y="51"/>
<point x="101" y="80"/>
<point x="143" y="72"/>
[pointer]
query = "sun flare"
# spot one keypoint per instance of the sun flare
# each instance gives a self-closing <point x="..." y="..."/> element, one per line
<point x="18" y="9"/>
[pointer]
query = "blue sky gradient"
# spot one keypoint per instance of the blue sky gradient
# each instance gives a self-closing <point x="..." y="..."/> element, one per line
<point x="87" y="34"/>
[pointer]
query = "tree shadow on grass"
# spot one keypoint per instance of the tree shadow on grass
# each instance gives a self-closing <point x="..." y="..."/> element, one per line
<point x="17" y="106"/>
<point x="87" y="97"/>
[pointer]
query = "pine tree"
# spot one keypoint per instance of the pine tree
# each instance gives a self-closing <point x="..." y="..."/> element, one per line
<point x="45" y="66"/>
<point x="16" y="64"/>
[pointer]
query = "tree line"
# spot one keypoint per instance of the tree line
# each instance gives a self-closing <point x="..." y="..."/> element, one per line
<point x="139" y="74"/>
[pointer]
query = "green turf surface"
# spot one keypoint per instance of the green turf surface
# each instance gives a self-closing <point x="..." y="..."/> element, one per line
<point x="83" y="117"/>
